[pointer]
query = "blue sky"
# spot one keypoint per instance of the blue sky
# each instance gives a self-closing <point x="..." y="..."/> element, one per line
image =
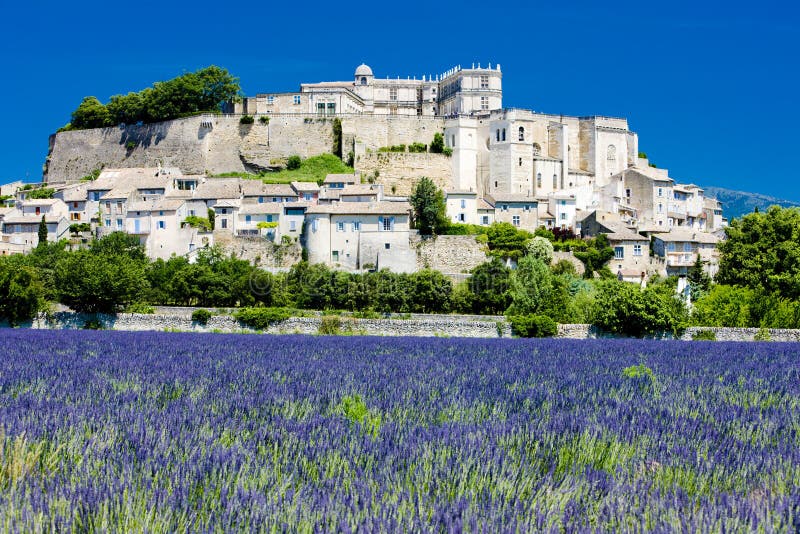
<point x="710" y="88"/>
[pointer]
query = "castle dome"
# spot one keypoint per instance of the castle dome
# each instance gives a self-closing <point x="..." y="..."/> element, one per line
<point x="363" y="70"/>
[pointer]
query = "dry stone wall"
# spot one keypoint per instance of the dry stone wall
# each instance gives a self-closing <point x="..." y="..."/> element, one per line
<point x="262" y="252"/>
<point x="450" y="254"/>
<point x="399" y="172"/>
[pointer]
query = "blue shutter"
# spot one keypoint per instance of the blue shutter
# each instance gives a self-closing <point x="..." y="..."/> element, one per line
<point x="391" y="223"/>
<point x="380" y="224"/>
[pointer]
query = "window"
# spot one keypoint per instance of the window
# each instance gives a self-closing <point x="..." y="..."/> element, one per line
<point x="386" y="223"/>
<point x="527" y="207"/>
<point x="269" y="218"/>
<point x="637" y="250"/>
<point x="670" y="247"/>
<point x="628" y="193"/>
<point x="191" y="212"/>
<point x="485" y="219"/>
<point x="296" y="100"/>
<point x="520" y="162"/>
<point x="108" y="222"/>
<point x="504" y="207"/>
<point x="687" y="247"/>
<point x="260" y="200"/>
<point x="504" y="134"/>
<point x="356" y="226"/>
<point x="363" y="80"/>
<point x="462" y="218"/>
<point x="484" y="102"/>
<point x="563" y="216"/>
<point x="270" y="100"/>
<point x="393" y="93"/>
<point x="161" y="213"/>
<point x="660" y="192"/>
<point x="308" y="196"/>
<point x="223" y="211"/>
<point x="248" y="218"/>
<point x="108" y="207"/>
<point x="660" y="208"/>
<point x="463" y="203"/>
<point x="521" y="133"/>
<point x="387" y="246"/>
<point x="538" y="179"/>
<point x="555" y="181"/>
<point x="75" y="205"/>
<point x="515" y="220"/>
<point x="292" y="226"/>
<point x="484" y="81"/>
<point x="38" y="210"/>
<point x="611" y="153"/>
<point x="119" y="224"/>
<point x="335" y="255"/>
<point x="224" y="223"/>
<point x="537" y="150"/>
<point x="75" y="216"/>
<point x="619" y="253"/>
<point x="162" y="225"/>
<point x="340" y="227"/>
<point x="497" y="135"/>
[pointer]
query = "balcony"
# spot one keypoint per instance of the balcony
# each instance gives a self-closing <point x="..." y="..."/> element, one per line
<point x="681" y="259"/>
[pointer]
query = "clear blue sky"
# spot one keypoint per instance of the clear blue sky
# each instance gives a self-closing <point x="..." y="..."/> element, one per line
<point x="711" y="89"/>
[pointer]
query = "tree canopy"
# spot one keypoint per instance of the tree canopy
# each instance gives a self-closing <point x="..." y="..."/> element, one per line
<point x="429" y="208"/>
<point x="193" y="92"/>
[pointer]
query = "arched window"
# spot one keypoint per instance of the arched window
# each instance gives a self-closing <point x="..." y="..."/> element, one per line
<point x="538" y="179"/>
<point x="611" y="152"/>
<point x="504" y="134"/>
<point x="520" y="162"/>
<point x="555" y="181"/>
<point x="537" y="150"/>
<point x="498" y="135"/>
<point x="363" y="80"/>
<point x="521" y="133"/>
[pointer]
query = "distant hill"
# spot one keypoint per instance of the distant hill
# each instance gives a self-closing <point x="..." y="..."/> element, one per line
<point x="738" y="203"/>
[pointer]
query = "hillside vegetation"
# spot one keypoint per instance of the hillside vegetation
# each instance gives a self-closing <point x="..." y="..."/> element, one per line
<point x="313" y="169"/>
<point x="194" y="92"/>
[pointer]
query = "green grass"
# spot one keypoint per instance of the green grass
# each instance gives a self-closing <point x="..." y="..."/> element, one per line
<point x="313" y="169"/>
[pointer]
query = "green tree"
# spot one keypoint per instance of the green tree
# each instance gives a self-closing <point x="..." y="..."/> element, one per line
<point x="211" y="218"/>
<point x="626" y="309"/>
<point x="128" y="109"/>
<point x="723" y="305"/>
<point x="42" y="231"/>
<point x="437" y="145"/>
<point x="489" y="285"/>
<point x="120" y="244"/>
<point x="762" y="250"/>
<point x="293" y="162"/>
<point x="699" y="280"/>
<point x="90" y="114"/>
<point x="429" y="207"/>
<point x="431" y="291"/>
<point x="337" y="137"/>
<point x="99" y="283"/>
<point x="541" y="248"/>
<point x="530" y="287"/>
<point x="506" y="240"/>
<point x="597" y="254"/>
<point x="22" y="294"/>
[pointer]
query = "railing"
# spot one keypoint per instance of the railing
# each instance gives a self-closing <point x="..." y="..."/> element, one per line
<point x="681" y="259"/>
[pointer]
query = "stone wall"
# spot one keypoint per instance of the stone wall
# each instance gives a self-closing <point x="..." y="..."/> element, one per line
<point x="421" y="325"/>
<point x="449" y="254"/>
<point x="399" y="172"/>
<point x="192" y="144"/>
<point x="580" y="268"/>
<point x="743" y="334"/>
<point x="262" y="252"/>
<point x="198" y="145"/>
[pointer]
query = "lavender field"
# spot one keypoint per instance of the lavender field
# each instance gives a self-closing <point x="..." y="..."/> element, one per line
<point x="116" y="431"/>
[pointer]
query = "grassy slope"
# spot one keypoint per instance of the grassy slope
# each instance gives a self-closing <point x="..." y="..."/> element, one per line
<point x="313" y="169"/>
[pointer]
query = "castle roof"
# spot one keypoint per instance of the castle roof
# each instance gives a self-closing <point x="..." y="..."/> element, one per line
<point x="363" y="70"/>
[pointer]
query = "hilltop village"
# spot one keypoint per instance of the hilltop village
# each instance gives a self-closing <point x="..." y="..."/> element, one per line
<point x="581" y="175"/>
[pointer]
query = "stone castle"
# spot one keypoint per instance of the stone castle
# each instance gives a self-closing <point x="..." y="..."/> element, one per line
<point x="501" y="165"/>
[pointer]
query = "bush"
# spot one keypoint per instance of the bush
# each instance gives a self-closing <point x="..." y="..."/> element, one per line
<point x="201" y="316"/>
<point x="465" y="229"/>
<point x="262" y="318"/>
<point x="762" y="335"/>
<point x="533" y="326"/>
<point x="197" y="222"/>
<point x="293" y="162"/>
<point x="417" y="147"/>
<point x="140" y="307"/>
<point x="564" y="267"/>
<point x="704" y="335"/>
<point x="437" y="145"/>
<point x="246" y="119"/>
<point x="41" y="193"/>
<point x="263" y="119"/>
<point x="447" y="151"/>
<point x="331" y="325"/>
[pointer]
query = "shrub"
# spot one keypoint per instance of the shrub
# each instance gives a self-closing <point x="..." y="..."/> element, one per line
<point x="201" y="316"/>
<point x="44" y="192"/>
<point x="76" y="228"/>
<point x="262" y="318"/>
<point x="246" y="119"/>
<point x="437" y="145"/>
<point x="447" y="151"/>
<point x="762" y="335"/>
<point x="533" y="326"/>
<point x="564" y="267"/>
<point x="417" y="147"/>
<point x="642" y="377"/>
<point x="263" y="119"/>
<point x="704" y="335"/>
<point x="140" y="307"/>
<point x="197" y="222"/>
<point x="293" y="162"/>
<point x="331" y="325"/>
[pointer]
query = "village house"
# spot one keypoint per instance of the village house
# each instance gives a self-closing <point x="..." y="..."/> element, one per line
<point x="462" y="207"/>
<point x="520" y="210"/>
<point x="21" y="225"/>
<point x="679" y="249"/>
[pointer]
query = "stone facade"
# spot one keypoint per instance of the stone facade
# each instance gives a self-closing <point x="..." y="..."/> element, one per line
<point x="260" y="251"/>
